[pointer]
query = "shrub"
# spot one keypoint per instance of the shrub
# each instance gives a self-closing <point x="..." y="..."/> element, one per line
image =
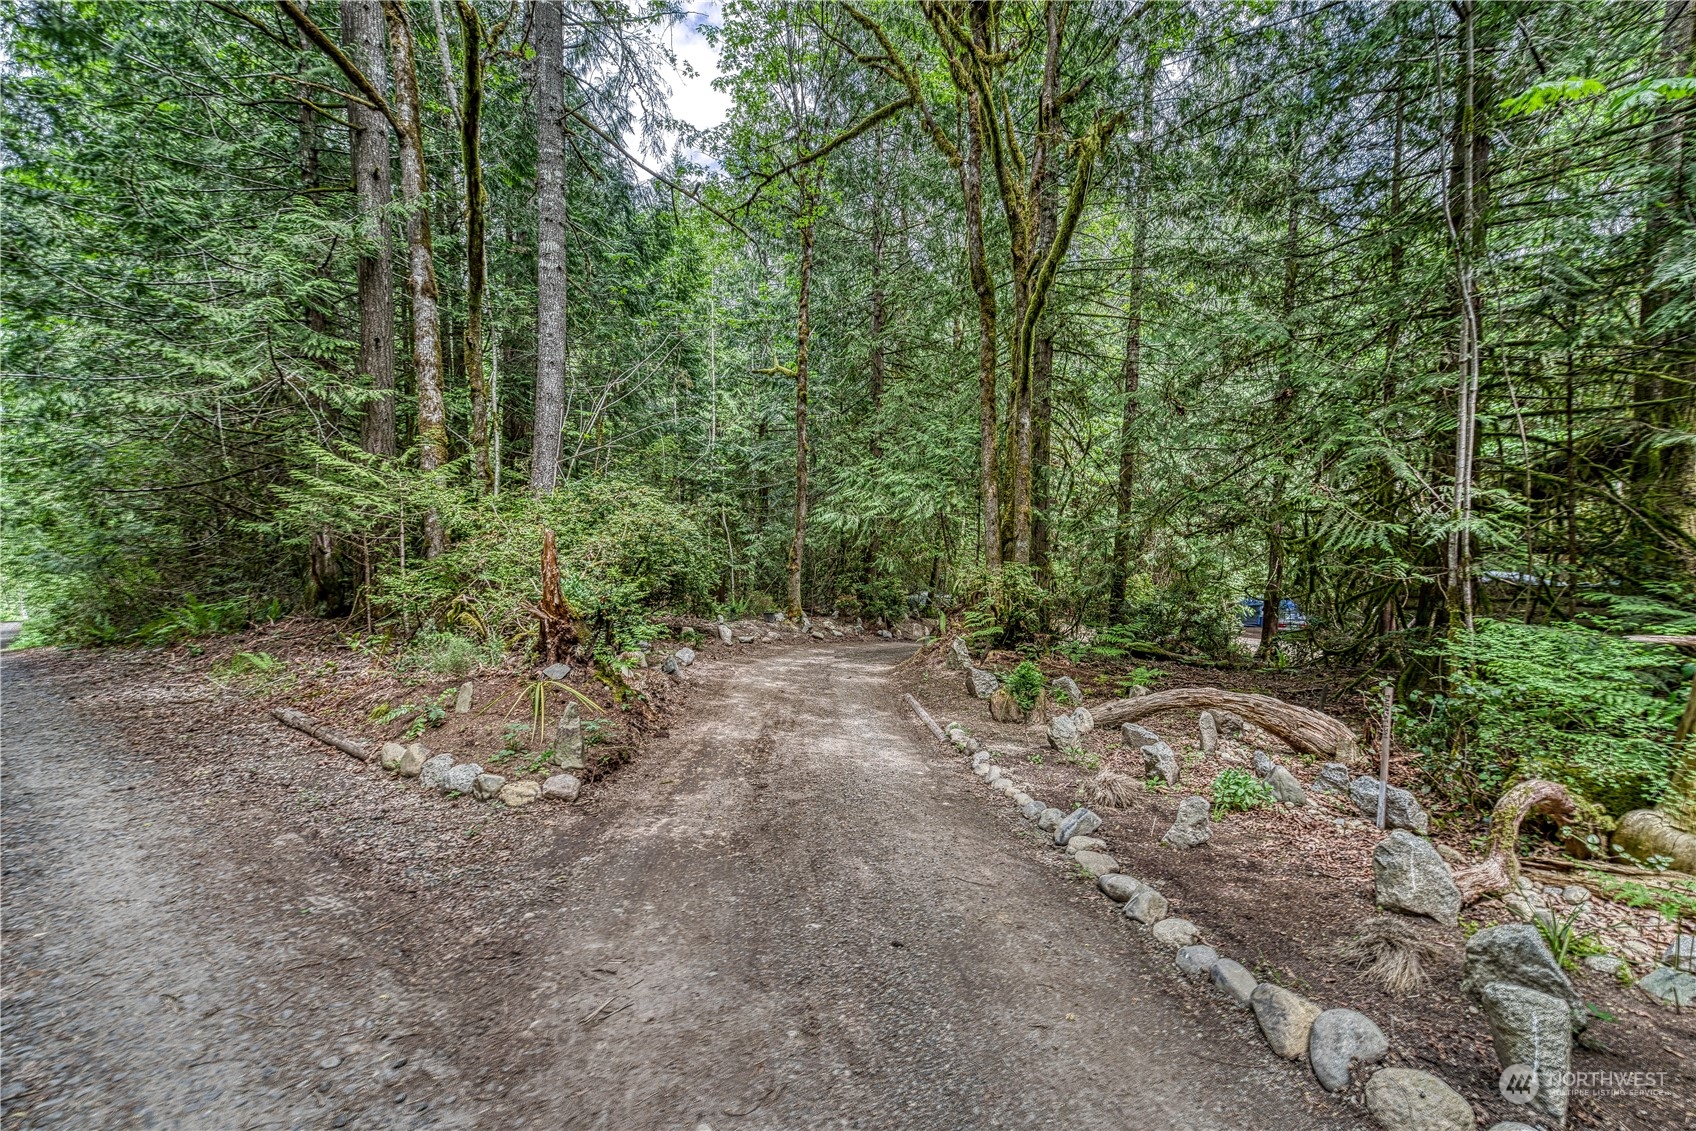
<point x="449" y="654"/>
<point x="1024" y="683"/>
<point x="1236" y="791"/>
<point x="1570" y="704"/>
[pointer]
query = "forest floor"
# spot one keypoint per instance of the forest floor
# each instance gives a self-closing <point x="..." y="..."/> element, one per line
<point x="790" y="909"/>
<point x="1279" y="889"/>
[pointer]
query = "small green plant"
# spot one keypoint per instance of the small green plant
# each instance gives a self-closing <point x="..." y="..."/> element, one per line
<point x="760" y="603"/>
<point x="196" y="618"/>
<point x="1035" y="757"/>
<point x="1673" y="899"/>
<point x="449" y="654"/>
<point x="257" y="671"/>
<point x="432" y="714"/>
<point x="1024" y="683"/>
<point x="1083" y="759"/>
<point x="594" y="732"/>
<point x="1236" y="791"/>
<point x="1563" y="940"/>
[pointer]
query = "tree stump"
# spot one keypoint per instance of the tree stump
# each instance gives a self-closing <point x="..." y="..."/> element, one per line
<point x="556" y="630"/>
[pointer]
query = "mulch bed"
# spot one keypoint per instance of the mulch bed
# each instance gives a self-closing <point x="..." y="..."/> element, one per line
<point x="1279" y="889"/>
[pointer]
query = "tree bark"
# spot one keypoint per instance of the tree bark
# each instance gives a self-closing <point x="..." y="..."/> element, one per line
<point x="476" y="210"/>
<point x="1308" y="732"/>
<point x="368" y="143"/>
<point x="1272" y="599"/>
<point x="1049" y="143"/>
<point x="550" y="245"/>
<point x="983" y="288"/>
<point x="803" y="334"/>
<point x="420" y="268"/>
<point x="1500" y="868"/>
<point x="556" y="632"/>
<point x="1131" y="379"/>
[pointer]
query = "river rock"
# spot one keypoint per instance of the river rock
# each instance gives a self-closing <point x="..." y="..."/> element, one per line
<point x="1146" y="906"/>
<point x="1160" y="761"/>
<point x="1534" y="1029"/>
<point x="1031" y="809"/>
<point x="389" y="755"/>
<point x="724" y="636"/>
<point x="1670" y="987"/>
<point x="1095" y="864"/>
<point x="1137" y="736"/>
<point x="1050" y="820"/>
<point x="462" y="701"/>
<point x="1405" y="1099"/>
<point x="1079" y="822"/>
<point x="1604" y="963"/>
<point x="1230" y="723"/>
<point x="1334" y="777"/>
<point x="1285" y="787"/>
<point x="462" y="777"/>
<point x="487" y="786"/>
<point x="1197" y="960"/>
<point x="519" y="793"/>
<point x="1063" y="732"/>
<point x="1083" y="720"/>
<point x="433" y="774"/>
<point x="980" y="683"/>
<point x="1263" y="765"/>
<point x="1085" y="844"/>
<point x="1340" y="1039"/>
<point x="1514" y="953"/>
<point x="1234" y="981"/>
<point x="1410" y="877"/>
<point x="1401" y="810"/>
<point x="1117" y="887"/>
<point x="1193" y="827"/>
<point x="557" y="672"/>
<point x="1286" y="1018"/>
<point x="1066" y="691"/>
<point x="1003" y="708"/>
<point x="1209" y="732"/>
<point x="562" y="787"/>
<point x="1175" y="932"/>
<point x="958" y="656"/>
<point x="684" y="656"/>
<point x="412" y="762"/>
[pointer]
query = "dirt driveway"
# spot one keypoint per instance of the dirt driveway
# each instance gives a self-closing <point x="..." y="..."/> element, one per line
<point x="795" y="912"/>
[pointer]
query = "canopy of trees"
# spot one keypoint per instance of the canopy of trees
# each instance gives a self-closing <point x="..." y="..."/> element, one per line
<point x="1082" y="313"/>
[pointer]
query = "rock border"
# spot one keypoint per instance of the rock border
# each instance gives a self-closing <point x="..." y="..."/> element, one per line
<point x="1335" y="1042"/>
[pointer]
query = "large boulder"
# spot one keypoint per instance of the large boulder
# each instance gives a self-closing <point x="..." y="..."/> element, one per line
<point x="1405" y="1099"/>
<point x="1286" y="1018"/>
<point x="1670" y="987"/>
<point x="1285" y="787"/>
<point x="980" y="683"/>
<point x="1067" y="692"/>
<point x="1409" y="876"/>
<point x="1160" y="761"/>
<point x="1063" y="732"/>
<point x="1532" y="1029"/>
<point x="958" y="655"/>
<point x="1079" y="822"/>
<point x="1401" y="810"/>
<point x="1003" y="708"/>
<point x="462" y="777"/>
<point x="1514" y="954"/>
<point x="1137" y="736"/>
<point x="1193" y="827"/>
<point x="434" y="773"/>
<point x="1340" y="1039"/>
<point x="1209" y="729"/>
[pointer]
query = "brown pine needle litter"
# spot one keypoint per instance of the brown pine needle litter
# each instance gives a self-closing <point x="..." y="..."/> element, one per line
<point x="1391" y="953"/>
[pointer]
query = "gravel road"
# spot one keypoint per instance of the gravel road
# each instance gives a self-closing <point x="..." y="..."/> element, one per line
<point x="795" y="912"/>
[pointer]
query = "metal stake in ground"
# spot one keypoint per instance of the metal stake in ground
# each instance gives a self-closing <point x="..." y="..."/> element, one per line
<point x="1384" y="756"/>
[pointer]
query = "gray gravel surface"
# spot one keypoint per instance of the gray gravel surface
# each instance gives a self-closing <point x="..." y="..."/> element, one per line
<point x="796" y="911"/>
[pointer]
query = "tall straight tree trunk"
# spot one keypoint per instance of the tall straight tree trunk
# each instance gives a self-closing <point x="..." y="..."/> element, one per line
<point x="476" y="210"/>
<point x="1283" y="407"/>
<point x="550" y="245"/>
<point x="1131" y="379"/>
<point x="1664" y="394"/>
<point x="1050" y="140"/>
<point x="420" y="266"/>
<point x="879" y="320"/>
<point x="803" y="334"/>
<point x="983" y="287"/>
<point x="368" y="144"/>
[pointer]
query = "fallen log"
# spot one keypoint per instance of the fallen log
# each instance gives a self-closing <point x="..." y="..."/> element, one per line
<point x="1307" y="731"/>
<point x="924" y="717"/>
<point x="1650" y="832"/>
<point x="1499" y="870"/>
<point x="330" y="736"/>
